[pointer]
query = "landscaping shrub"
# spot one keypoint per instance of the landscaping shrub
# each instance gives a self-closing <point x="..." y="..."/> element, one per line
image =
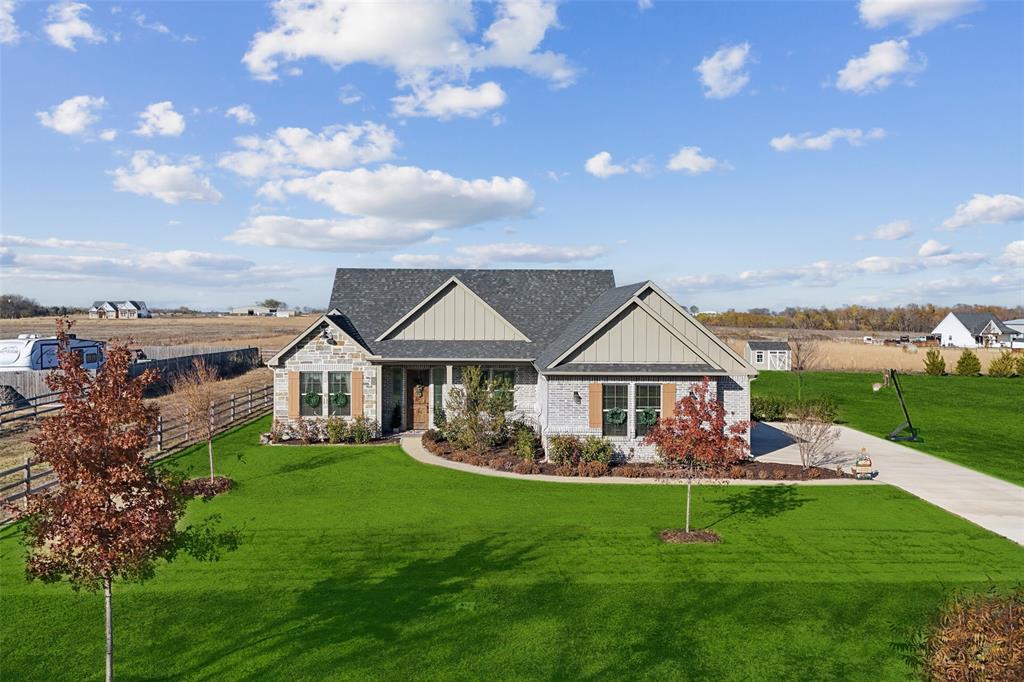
<point x="766" y="408"/>
<point x="526" y="468"/>
<point x="596" y="449"/>
<point x="364" y="430"/>
<point x="1003" y="366"/>
<point x="566" y="469"/>
<point x="934" y="363"/>
<point x="968" y="365"/>
<point x="594" y="468"/>
<point x="475" y="412"/>
<point x="432" y="436"/>
<point x="310" y="430"/>
<point x="337" y="430"/>
<point x="1020" y="365"/>
<point x="564" y="449"/>
<point x="736" y="471"/>
<point x="277" y="432"/>
<point x="524" y="441"/>
<point x="978" y="638"/>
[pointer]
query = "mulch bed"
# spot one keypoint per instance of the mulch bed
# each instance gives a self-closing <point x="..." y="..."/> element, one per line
<point x="681" y="537"/>
<point x="503" y="459"/>
<point x="389" y="440"/>
<point x="205" y="488"/>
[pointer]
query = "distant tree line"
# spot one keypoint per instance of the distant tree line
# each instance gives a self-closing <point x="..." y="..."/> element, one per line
<point x="15" y="306"/>
<point x="908" y="318"/>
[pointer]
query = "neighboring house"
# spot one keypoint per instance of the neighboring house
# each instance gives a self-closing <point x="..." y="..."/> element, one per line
<point x="771" y="355"/>
<point x="119" y="310"/>
<point x="1016" y="325"/>
<point x="254" y="311"/>
<point x="974" y="330"/>
<point x="578" y="350"/>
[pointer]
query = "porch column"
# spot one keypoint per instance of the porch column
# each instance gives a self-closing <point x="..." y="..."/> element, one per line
<point x="447" y="382"/>
<point x="379" y="409"/>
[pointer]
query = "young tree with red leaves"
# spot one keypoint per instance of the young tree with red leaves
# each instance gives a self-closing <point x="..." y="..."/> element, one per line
<point x="112" y="516"/>
<point x="697" y="437"/>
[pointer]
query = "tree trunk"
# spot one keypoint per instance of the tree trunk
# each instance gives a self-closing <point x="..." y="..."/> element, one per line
<point x="109" y="623"/>
<point x="689" y="489"/>
<point x="209" y="447"/>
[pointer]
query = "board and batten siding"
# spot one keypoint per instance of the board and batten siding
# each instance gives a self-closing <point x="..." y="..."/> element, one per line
<point x="701" y="339"/>
<point x="456" y="314"/>
<point x="635" y="336"/>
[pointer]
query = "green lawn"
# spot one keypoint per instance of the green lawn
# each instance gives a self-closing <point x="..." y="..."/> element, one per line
<point x="974" y="421"/>
<point x="359" y="562"/>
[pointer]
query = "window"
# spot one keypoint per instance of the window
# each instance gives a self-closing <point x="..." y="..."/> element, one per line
<point x="759" y="356"/>
<point x="311" y="394"/>
<point x="507" y="379"/>
<point x="339" y="387"/>
<point x="440" y="374"/>
<point x="648" y="400"/>
<point x="615" y="402"/>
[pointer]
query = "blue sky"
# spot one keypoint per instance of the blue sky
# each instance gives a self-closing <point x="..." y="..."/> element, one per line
<point x="740" y="154"/>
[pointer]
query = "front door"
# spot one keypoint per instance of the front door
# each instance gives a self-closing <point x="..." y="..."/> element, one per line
<point x="419" y="397"/>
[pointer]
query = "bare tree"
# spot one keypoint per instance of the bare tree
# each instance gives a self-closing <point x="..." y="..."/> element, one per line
<point x="194" y="395"/>
<point x="815" y="435"/>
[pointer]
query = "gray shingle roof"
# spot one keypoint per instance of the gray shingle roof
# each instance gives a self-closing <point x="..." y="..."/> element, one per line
<point x="976" y="322"/>
<point x="768" y="345"/>
<point x="537" y="302"/>
<point x="572" y="331"/>
<point x="685" y="369"/>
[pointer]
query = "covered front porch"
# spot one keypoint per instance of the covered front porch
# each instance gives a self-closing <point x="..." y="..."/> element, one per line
<point x="413" y="393"/>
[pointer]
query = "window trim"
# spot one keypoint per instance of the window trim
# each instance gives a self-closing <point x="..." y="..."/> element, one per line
<point x="636" y="406"/>
<point x="605" y="410"/>
<point x="317" y="411"/>
<point x="330" y="394"/>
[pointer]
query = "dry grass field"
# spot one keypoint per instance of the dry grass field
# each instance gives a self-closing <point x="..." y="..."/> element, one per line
<point x="264" y="332"/>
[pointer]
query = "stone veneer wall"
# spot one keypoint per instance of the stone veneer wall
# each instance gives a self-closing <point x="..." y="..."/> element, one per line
<point x="314" y="354"/>
<point x="563" y="415"/>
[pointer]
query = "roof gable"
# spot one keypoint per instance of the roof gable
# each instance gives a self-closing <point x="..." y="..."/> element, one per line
<point x="453" y="312"/>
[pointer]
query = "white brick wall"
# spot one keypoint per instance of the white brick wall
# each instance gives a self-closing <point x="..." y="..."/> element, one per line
<point x="564" y="415"/>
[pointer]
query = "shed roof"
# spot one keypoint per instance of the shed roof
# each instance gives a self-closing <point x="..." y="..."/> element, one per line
<point x="768" y="345"/>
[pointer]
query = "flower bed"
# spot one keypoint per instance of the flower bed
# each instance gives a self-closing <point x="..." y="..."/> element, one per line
<point x="206" y="488"/>
<point x="504" y="459"/>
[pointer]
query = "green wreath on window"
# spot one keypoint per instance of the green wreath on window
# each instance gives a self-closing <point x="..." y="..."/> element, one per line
<point x="339" y="399"/>
<point x="312" y="399"/>
<point x="647" y="417"/>
<point x="616" y="416"/>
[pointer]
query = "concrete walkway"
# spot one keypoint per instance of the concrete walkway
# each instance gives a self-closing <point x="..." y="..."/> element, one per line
<point x="413" y="446"/>
<point x="989" y="502"/>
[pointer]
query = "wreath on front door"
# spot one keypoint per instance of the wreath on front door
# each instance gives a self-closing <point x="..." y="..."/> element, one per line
<point x="617" y="416"/>
<point x="312" y="399"/>
<point x="418" y="391"/>
<point x="339" y="399"/>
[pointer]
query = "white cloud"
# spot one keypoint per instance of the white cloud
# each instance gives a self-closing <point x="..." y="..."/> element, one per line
<point x="876" y="70"/>
<point x="140" y="20"/>
<point x="150" y="174"/>
<point x="644" y="5"/>
<point x="428" y="45"/>
<point x="600" y="165"/>
<point x="1013" y="256"/>
<point x="108" y="135"/>
<point x="72" y="116"/>
<point x="65" y="25"/>
<point x="288" y="150"/>
<point x="449" y="101"/>
<point x="690" y="160"/>
<point x="480" y="255"/>
<point x="897" y="229"/>
<point x="932" y="247"/>
<point x="983" y="209"/>
<point x="241" y="113"/>
<point x="723" y="74"/>
<point x="55" y="243"/>
<point x="386" y="207"/>
<point x="855" y="137"/>
<point x="9" y="34"/>
<point x="160" y="118"/>
<point x="920" y="16"/>
<point x="349" y="94"/>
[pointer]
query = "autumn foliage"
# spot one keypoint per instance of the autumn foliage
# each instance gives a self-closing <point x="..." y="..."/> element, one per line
<point x="697" y="436"/>
<point x="111" y="515"/>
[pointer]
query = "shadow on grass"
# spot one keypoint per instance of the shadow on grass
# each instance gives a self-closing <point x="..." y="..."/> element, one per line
<point x="761" y="502"/>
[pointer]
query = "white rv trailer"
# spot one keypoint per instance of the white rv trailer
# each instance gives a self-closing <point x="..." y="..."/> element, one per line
<point x="35" y="352"/>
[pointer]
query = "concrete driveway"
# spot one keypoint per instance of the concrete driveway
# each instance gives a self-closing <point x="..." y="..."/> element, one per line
<point x="989" y="502"/>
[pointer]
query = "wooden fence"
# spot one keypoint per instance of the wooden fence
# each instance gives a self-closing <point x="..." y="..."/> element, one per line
<point x="170" y="437"/>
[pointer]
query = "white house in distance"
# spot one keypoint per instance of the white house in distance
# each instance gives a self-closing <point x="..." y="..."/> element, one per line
<point x="254" y="311"/>
<point x="975" y="330"/>
<point x="770" y="355"/>
<point x="119" y="310"/>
